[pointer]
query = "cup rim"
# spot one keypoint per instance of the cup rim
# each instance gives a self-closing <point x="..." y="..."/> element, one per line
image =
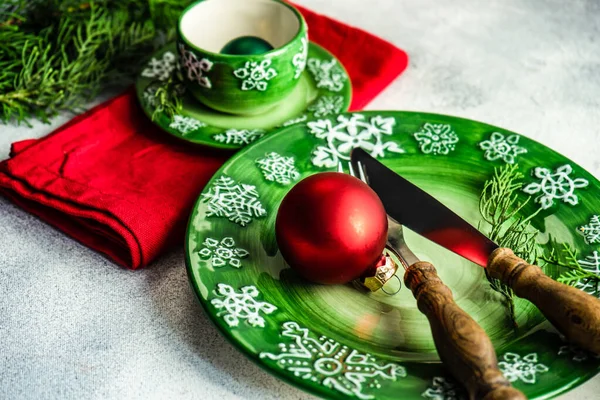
<point x="301" y="32"/>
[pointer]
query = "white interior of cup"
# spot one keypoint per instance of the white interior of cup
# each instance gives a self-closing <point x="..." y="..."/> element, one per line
<point x="211" y="24"/>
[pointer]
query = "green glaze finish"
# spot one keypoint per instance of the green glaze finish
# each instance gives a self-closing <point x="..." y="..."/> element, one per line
<point x="246" y="45"/>
<point x="243" y="84"/>
<point x="325" y="333"/>
<point x="203" y="125"/>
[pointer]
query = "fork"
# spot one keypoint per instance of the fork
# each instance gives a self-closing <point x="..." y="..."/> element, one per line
<point x="463" y="346"/>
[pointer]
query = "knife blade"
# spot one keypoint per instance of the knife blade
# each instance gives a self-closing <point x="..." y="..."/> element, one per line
<point x="574" y="313"/>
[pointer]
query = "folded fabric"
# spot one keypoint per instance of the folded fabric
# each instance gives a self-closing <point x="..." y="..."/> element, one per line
<point x="112" y="180"/>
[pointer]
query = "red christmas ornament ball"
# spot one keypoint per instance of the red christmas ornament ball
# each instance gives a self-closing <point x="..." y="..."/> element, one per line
<point x="331" y="228"/>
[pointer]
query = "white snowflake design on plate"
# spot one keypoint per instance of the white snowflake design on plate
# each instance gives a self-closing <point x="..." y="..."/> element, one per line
<point x="444" y="389"/>
<point x="255" y="75"/>
<point x="185" y="124"/>
<point x="295" y="121"/>
<point x="590" y="264"/>
<point x="326" y="105"/>
<point x="223" y="253"/>
<point x="149" y="96"/>
<point x="500" y="147"/>
<point x="299" y="60"/>
<point x="323" y="360"/>
<point x="236" y="306"/>
<point x="436" y="139"/>
<point x="328" y="74"/>
<point x="196" y="69"/>
<point x="239" y="203"/>
<point x="557" y="185"/>
<point x="576" y="353"/>
<point x="525" y="369"/>
<point x="591" y="231"/>
<point x="277" y="168"/>
<point x="349" y="133"/>
<point x="240" y="137"/>
<point x="160" y="69"/>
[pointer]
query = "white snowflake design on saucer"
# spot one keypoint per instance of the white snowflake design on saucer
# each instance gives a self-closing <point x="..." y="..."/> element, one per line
<point x="349" y="133"/>
<point x="525" y="369"/>
<point x="299" y="60"/>
<point x="255" y="75"/>
<point x="295" y="121"/>
<point x="236" y="306"/>
<point x="327" y="362"/>
<point x="576" y="353"/>
<point x="185" y="124"/>
<point x="239" y="203"/>
<point x="327" y="74"/>
<point x="196" y="68"/>
<point x="444" y="389"/>
<point x="160" y="69"/>
<point x="277" y="168"/>
<point x="436" y="139"/>
<point x="326" y="105"/>
<point x="591" y="231"/>
<point x="500" y="147"/>
<point x="239" y="136"/>
<point x="590" y="264"/>
<point x="222" y="253"/>
<point x="557" y="185"/>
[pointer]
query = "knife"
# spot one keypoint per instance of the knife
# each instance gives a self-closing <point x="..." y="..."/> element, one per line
<point x="574" y="313"/>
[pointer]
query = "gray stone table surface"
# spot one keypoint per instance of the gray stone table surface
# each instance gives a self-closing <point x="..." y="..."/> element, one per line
<point x="75" y="326"/>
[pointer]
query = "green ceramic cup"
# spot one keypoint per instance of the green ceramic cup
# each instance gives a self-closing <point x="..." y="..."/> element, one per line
<point x="241" y="84"/>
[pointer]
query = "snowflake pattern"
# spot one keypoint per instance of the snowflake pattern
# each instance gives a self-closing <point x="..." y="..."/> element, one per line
<point x="241" y="137"/>
<point x="515" y="368"/>
<point x="327" y="74"/>
<point x="239" y="203"/>
<point x="555" y="185"/>
<point x="436" y="138"/>
<point x="277" y="168"/>
<point x="349" y="133"/>
<point x="223" y="253"/>
<point x="326" y="105"/>
<point x="444" y="389"/>
<point x="255" y="75"/>
<point x="295" y="121"/>
<point x="576" y="354"/>
<point x="299" y="60"/>
<point x="591" y="231"/>
<point x="149" y="96"/>
<point x="590" y="264"/>
<point x="160" y="69"/>
<point x="195" y="68"/>
<point x="185" y="124"/>
<point x="241" y="306"/>
<point x="499" y="147"/>
<point x="323" y="360"/>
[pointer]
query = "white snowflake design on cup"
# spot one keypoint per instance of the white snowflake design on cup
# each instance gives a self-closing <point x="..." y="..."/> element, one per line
<point x="327" y="362"/>
<point x="576" y="353"/>
<point x="185" y="124"/>
<point x="294" y="121"/>
<point x="326" y="105"/>
<point x="236" y="306"/>
<point x="525" y="369"/>
<point x="239" y="203"/>
<point x="436" y="139"/>
<point x="349" y="133"/>
<point x="240" y="137"/>
<point x="591" y="231"/>
<point x="195" y="68"/>
<point x="255" y="75"/>
<point x="557" y="185"/>
<point x="277" y="168"/>
<point x="500" y="147"/>
<point x="299" y="60"/>
<point x="222" y="253"/>
<point x="444" y="389"/>
<point x="160" y="69"/>
<point x="327" y="74"/>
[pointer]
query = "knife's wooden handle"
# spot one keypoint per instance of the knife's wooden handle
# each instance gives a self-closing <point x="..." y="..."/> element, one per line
<point x="573" y="312"/>
<point x="462" y="344"/>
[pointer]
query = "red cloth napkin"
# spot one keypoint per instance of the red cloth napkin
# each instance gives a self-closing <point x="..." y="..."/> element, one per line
<point x="112" y="180"/>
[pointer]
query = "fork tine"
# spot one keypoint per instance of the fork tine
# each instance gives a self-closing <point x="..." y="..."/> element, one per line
<point x="361" y="171"/>
<point x="352" y="170"/>
<point x="340" y="167"/>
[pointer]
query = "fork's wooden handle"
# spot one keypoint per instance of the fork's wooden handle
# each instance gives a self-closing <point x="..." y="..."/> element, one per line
<point x="462" y="344"/>
<point x="573" y="312"/>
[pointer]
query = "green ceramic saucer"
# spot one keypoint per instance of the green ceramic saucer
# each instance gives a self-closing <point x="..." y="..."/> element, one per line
<point x="324" y="89"/>
<point x="337" y="342"/>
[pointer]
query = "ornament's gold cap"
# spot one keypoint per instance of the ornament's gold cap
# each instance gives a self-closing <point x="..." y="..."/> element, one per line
<point x="384" y="271"/>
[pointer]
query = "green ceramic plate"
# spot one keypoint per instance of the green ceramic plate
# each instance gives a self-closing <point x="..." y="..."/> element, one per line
<point x="337" y="342"/>
<point x="324" y="89"/>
